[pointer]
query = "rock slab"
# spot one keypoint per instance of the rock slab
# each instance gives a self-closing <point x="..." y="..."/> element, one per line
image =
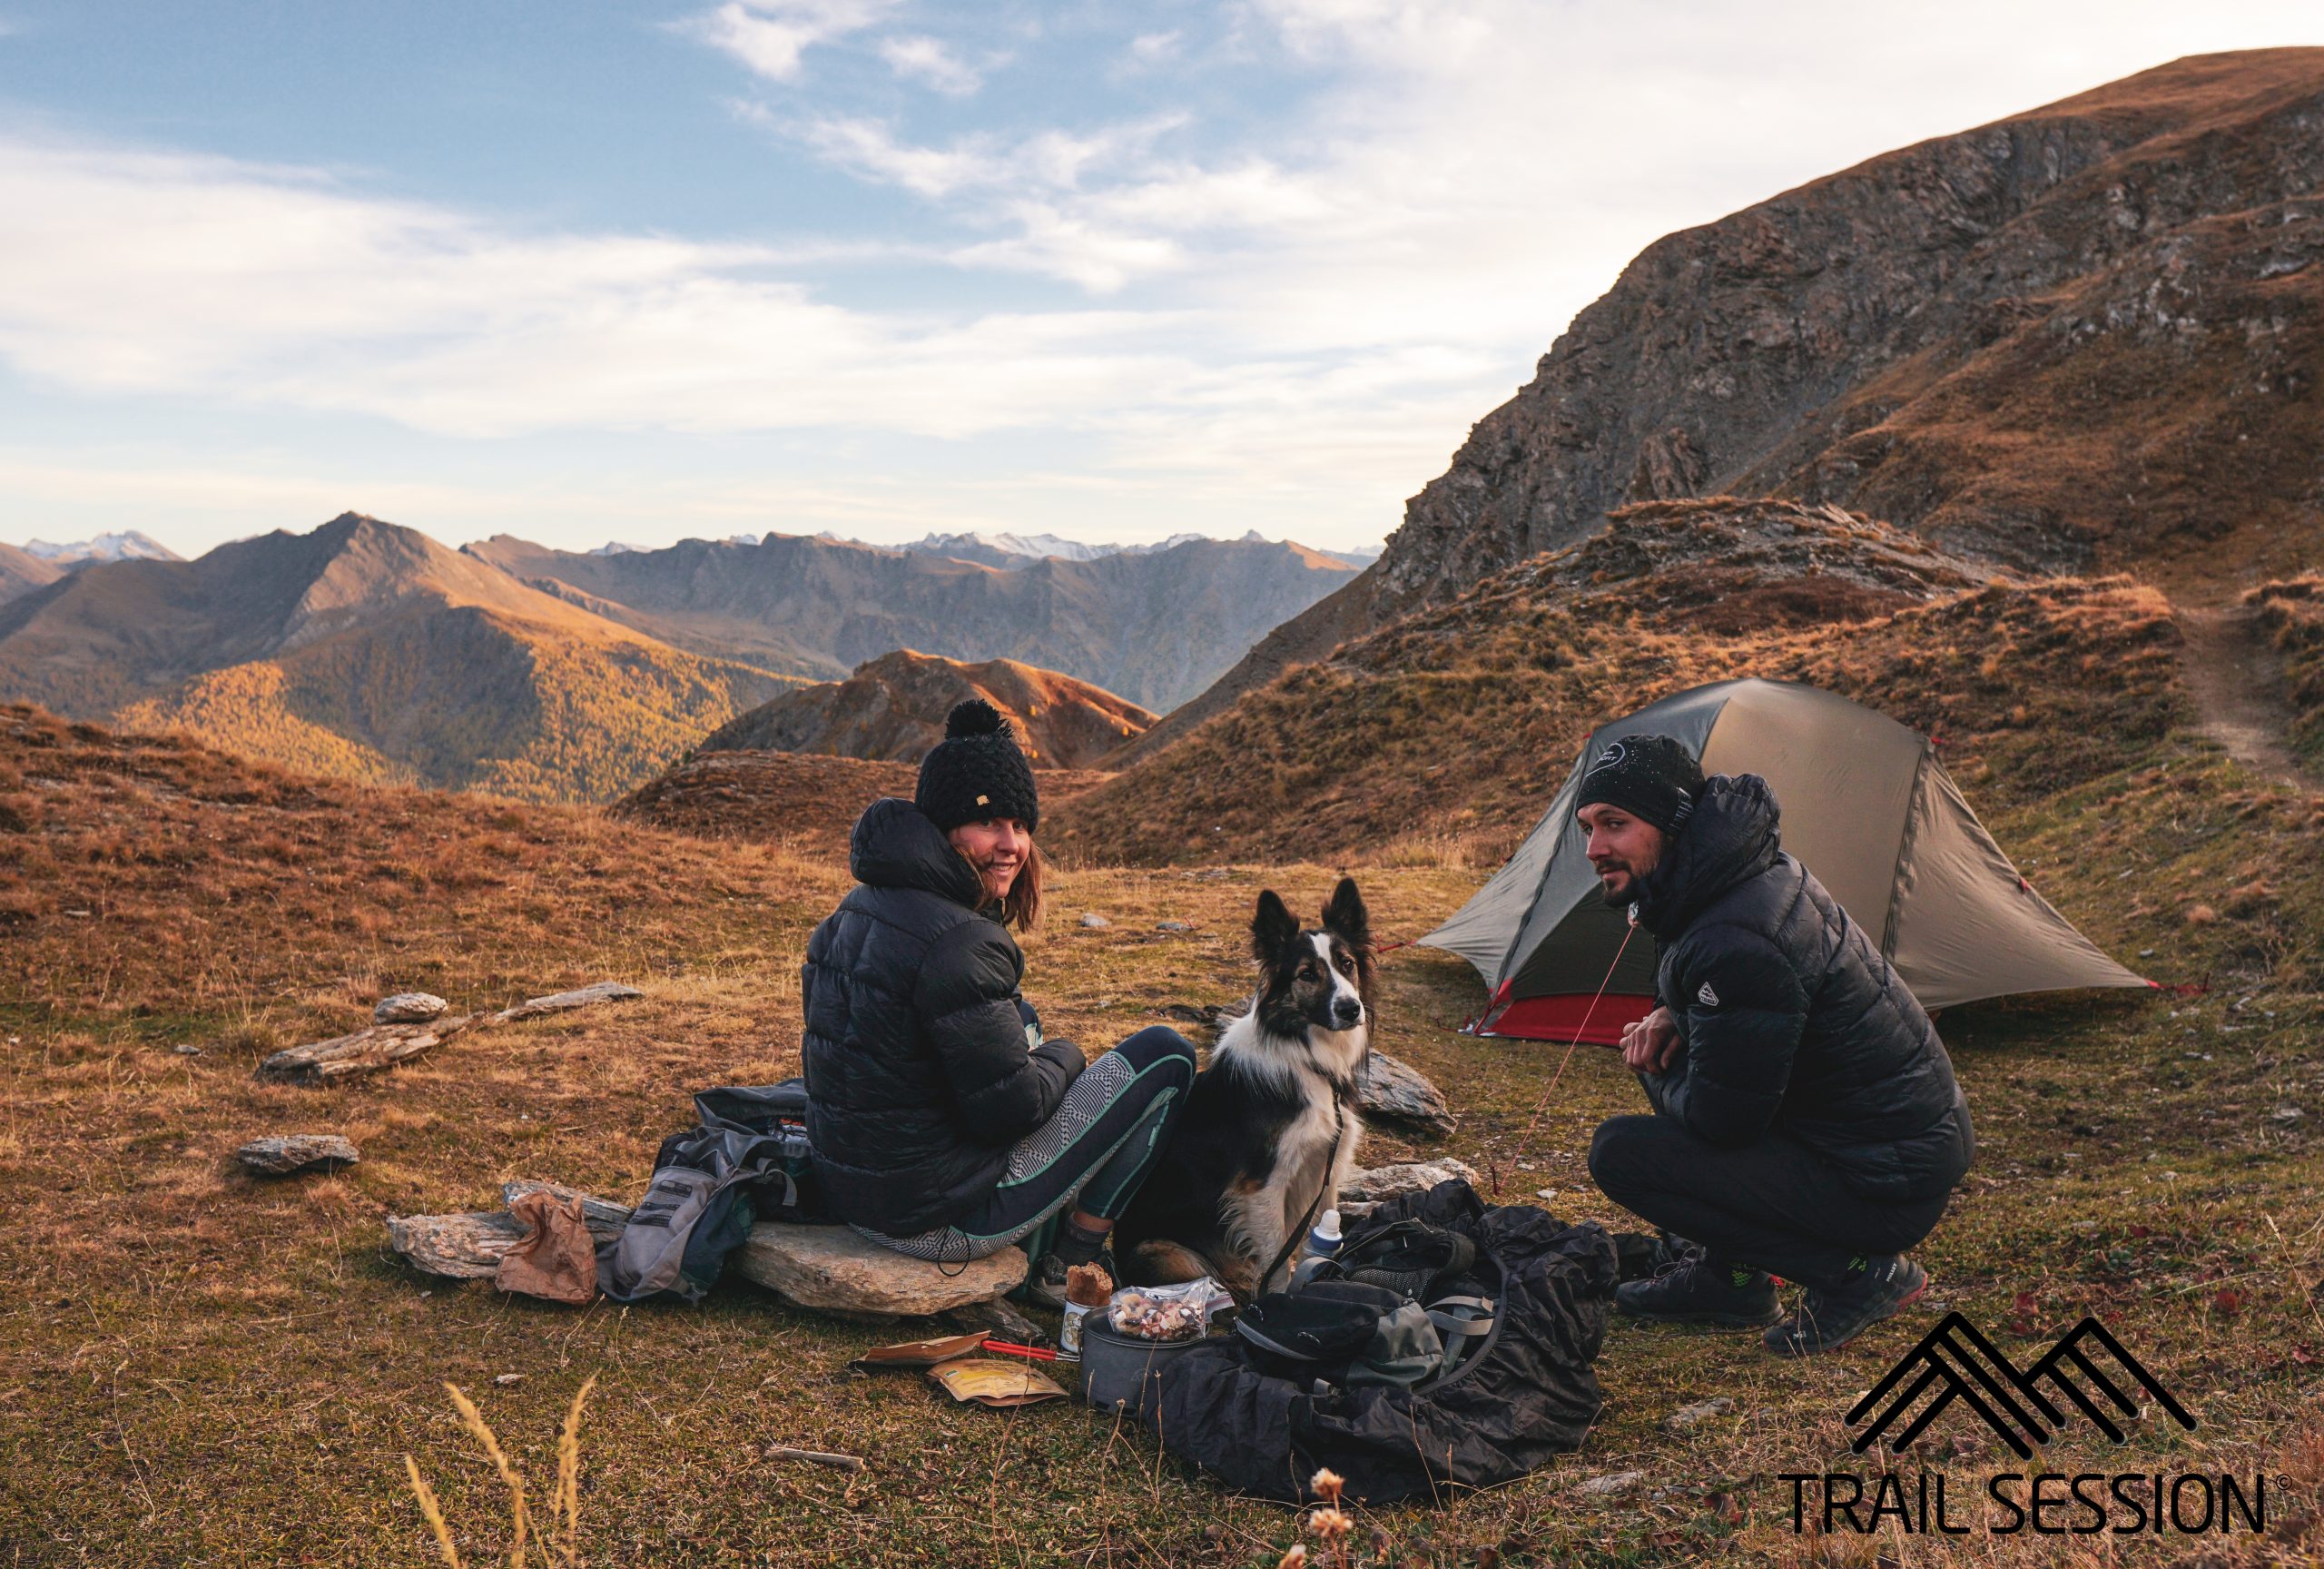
<point x="830" y="1270"/>
<point x="369" y="1050"/>
<point x="1395" y="1181"/>
<point x="281" y="1156"/>
<point x="409" y="1008"/>
<point x="1687" y="1418"/>
<point x="566" y="1001"/>
<point x="1387" y="1087"/>
<point x="463" y="1247"/>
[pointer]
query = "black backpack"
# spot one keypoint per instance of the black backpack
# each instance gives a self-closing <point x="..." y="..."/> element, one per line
<point x="1521" y="1393"/>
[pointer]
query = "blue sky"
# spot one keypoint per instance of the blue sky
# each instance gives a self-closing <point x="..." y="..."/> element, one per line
<point x="581" y="272"/>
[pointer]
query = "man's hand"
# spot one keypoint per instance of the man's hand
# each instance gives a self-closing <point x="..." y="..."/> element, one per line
<point x="1651" y="1044"/>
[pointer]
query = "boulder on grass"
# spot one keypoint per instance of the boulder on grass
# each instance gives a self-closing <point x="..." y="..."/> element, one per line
<point x="830" y="1270"/>
<point x="281" y="1156"/>
<point x="369" y="1050"/>
<point x="463" y="1247"/>
<point x="1388" y="1089"/>
<point x="1395" y="1181"/>
<point x="566" y="1001"/>
<point x="409" y="1008"/>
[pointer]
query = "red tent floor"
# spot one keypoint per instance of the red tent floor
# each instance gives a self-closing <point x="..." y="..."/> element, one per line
<point x="1561" y="1017"/>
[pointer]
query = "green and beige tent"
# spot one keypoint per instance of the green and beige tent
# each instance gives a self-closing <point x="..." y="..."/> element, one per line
<point x="1866" y="806"/>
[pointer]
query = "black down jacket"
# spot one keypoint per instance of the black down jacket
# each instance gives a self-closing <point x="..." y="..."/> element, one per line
<point x="919" y="1076"/>
<point x="1791" y="1018"/>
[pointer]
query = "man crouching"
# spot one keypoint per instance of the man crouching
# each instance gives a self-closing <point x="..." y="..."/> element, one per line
<point x="1805" y="1118"/>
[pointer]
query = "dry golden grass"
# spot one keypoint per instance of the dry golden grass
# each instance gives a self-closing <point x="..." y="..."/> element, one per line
<point x="197" y="1366"/>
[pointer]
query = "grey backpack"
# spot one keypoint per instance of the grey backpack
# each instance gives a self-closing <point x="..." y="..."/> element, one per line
<point x="701" y="1207"/>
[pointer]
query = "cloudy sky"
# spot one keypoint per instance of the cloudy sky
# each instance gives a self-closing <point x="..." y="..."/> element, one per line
<point x="586" y="271"/>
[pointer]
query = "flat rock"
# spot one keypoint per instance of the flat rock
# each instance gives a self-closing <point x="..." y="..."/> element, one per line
<point x="1686" y="1419"/>
<point x="830" y="1270"/>
<point x="1172" y="926"/>
<point x="1416" y="1176"/>
<point x="409" y="1008"/>
<point x="1612" y="1482"/>
<point x="369" y="1050"/>
<point x="1095" y="921"/>
<point x="604" y="1218"/>
<point x="1387" y="1087"/>
<point x="566" y="1001"/>
<point x="281" y="1156"/>
<point x="464" y="1246"/>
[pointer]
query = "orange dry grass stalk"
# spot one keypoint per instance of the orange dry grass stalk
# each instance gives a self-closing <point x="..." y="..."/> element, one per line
<point x="564" y="1503"/>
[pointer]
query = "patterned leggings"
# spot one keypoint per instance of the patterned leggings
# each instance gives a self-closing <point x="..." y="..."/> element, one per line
<point x="1112" y="1126"/>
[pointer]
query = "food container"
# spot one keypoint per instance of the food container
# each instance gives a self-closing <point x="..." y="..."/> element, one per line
<point x="1119" y="1371"/>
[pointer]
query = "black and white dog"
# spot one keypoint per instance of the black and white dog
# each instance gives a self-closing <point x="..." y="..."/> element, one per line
<point x="1273" y="1120"/>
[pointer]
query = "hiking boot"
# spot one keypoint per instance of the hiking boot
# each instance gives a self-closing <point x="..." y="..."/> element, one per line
<point x="1695" y="1290"/>
<point x="1045" y="1287"/>
<point x="1827" y="1319"/>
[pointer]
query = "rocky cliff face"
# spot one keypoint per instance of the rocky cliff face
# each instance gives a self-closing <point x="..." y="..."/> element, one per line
<point x="893" y="708"/>
<point x="2085" y="336"/>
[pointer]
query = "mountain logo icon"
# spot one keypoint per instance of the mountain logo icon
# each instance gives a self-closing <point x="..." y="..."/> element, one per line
<point x="2088" y="1369"/>
<point x="1705" y="996"/>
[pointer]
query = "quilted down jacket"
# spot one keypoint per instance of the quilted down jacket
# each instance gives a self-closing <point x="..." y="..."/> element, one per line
<point x="1791" y="1018"/>
<point x="922" y="1064"/>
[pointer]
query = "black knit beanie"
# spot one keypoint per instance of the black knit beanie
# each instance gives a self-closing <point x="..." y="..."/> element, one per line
<point x="1651" y="778"/>
<point x="977" y="772"/>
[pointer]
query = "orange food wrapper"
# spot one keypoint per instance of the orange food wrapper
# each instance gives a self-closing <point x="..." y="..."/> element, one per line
<point x="983" y="1381"/>
<point x="921" y="1353"/>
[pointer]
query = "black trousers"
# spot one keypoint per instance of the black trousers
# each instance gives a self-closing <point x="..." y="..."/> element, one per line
<point x="1773" y="1205"/>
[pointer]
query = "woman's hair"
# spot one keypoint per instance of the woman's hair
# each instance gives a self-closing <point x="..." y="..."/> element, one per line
<point x="1021" y="906"/>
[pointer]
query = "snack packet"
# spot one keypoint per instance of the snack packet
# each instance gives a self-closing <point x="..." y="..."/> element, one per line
<point x="1166" y="1312"/>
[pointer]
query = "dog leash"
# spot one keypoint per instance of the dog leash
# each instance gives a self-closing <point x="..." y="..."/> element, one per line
<point x="1331" y="1163"/>
<point x="1525" y="1143"/>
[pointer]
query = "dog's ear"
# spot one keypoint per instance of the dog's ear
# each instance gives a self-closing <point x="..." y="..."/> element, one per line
<point x="1347" y="916"/>
<point x="1273" y="928"/>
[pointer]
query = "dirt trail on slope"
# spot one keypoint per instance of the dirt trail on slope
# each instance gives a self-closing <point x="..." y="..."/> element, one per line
<point x="2237" y="681"/>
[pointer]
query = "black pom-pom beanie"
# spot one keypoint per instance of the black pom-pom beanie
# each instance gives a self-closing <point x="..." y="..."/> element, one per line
<point x="977" y="772"/>
<point x="1653" y="778"/>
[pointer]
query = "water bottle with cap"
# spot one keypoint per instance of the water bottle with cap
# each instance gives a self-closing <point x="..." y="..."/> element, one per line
<point x="1322" y="1242"/>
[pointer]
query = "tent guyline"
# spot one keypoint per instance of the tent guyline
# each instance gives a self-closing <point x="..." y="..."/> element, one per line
<point x="1866" y="804"/>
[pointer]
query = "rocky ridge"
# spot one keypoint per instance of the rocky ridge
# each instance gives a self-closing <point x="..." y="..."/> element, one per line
<point x="2079" y="338"/>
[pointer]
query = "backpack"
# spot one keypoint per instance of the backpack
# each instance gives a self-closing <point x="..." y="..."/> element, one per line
<point x="746" y="1156"/>
<point x="1395" y="1418"/>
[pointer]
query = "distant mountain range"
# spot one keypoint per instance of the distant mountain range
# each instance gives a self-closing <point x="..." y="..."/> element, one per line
<point x="2085" y="336"/>
<point x="129" y="546"/>
<point x="893" y="710"/>
<point x="370" y="652"/>
<point x="1154" y="626"/>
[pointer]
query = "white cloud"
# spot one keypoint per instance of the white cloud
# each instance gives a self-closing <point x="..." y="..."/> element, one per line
<point x="916" y="57"/>
<point x="770" y="35"/>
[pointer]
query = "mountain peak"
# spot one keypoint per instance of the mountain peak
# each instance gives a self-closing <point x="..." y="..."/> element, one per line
<point x="128" y="545"/>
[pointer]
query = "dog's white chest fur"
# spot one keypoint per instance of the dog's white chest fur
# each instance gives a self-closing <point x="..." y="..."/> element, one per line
<point x="1308" y="1170"/>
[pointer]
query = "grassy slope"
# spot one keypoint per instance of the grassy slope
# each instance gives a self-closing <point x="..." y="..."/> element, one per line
<point x="2293" y="613"/>
<point x="1444" y="735"/>
<point x="198" y="1367"/>
<point x="469" y="699"/>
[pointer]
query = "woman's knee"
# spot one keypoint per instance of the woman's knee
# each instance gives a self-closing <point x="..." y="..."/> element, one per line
<point x="1159" y="1044"/>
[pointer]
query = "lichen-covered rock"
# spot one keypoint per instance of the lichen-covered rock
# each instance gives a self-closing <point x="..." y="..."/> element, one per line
<point x="566" y="1001"/>
<point x="409" y="1008"/>
<point x="1394" y="1182"/>
<point x="282" y="1155"/>
<point x="830" y="1270"/>
<point x="369" y="1050"/>
<point x="466" y="1247"/>
<point x="1388" y="1089"/>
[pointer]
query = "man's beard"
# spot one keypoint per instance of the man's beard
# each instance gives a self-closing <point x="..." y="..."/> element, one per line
<point x="1619" y="899"/>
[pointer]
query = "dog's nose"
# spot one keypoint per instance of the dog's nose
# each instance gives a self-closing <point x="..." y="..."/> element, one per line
<point x="1347" y="1013"/>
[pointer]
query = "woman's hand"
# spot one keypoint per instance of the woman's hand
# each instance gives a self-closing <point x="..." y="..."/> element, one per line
<point x="1651" y="1044"/>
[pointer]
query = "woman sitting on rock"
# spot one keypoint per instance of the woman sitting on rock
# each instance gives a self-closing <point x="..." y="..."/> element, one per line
<point x="944" y="1126"/>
